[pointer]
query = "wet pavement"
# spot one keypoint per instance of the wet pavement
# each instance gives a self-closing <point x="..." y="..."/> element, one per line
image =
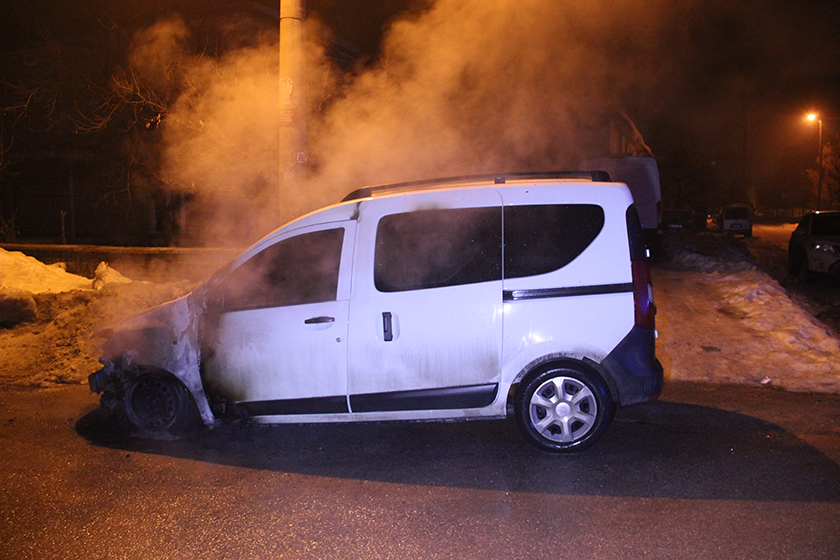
<point x="708" y="472"/>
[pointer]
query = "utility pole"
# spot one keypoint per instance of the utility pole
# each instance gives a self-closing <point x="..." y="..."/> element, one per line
<point x="291" y="97"/>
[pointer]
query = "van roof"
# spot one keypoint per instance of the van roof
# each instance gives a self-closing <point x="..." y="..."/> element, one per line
<point x="498" y="179"/>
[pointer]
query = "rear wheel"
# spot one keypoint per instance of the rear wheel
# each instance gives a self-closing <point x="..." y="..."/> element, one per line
<point x="563" y="407"/>
<point x="157" y="402"/>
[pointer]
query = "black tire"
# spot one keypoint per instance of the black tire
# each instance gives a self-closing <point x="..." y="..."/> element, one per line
<point x="157" y="402"/>
<point x="563" y="407"/>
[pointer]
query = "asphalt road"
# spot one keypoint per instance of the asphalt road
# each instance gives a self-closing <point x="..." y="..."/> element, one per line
<point x="711" y="472"/>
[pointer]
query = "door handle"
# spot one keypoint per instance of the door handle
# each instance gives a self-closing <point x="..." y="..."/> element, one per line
<point x="387" y="330"/>
<point x="319" y="320"/>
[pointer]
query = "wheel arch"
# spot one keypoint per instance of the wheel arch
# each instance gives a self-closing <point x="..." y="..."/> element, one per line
<point x="543" y="363"/>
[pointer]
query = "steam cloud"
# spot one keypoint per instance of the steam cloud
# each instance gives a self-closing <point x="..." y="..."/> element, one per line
<point x="467" y="86"/>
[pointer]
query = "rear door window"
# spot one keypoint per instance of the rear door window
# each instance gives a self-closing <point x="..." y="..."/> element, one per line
<point x="449" y="247"/>
<point x="544" y="238"/>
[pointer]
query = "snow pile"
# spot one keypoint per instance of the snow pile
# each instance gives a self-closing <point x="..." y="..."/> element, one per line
<point x="104" y="274"/>
<point x="22" y="276"/>
<point x="16" y="307"/>
<point x="707" y="252"/>
<point x="20" y="272"/>
<point x="699" y="262"/>
<point x="724" y="320"/>
<point x="48" y="317"/>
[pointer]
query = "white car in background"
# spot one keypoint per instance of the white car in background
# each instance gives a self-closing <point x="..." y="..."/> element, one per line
<point x="467" y="298"/>
<point x="814" y="245"/>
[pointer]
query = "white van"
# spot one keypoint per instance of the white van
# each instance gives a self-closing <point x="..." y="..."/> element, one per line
<point x="465" y="298"/>
<point x="736" y="220"/>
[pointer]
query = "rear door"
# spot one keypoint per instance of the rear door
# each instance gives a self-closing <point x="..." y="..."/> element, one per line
<point x="426" y="313"/>
<point x="568" y="279"/>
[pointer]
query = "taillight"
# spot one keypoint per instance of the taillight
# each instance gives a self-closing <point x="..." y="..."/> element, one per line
<point x="643" y="295"/>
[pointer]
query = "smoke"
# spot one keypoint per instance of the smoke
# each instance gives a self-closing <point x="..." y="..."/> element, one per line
<point x="465" y="86"/>
<point x="219" y="132"/>
<point x="470" y="87"/>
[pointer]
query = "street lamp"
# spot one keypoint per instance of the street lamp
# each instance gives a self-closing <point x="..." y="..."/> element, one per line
<point x="816" y="117"/>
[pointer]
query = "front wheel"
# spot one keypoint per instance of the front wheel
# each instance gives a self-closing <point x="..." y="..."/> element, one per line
<point x="563" y="408"/>
<point x="157" y="402"/>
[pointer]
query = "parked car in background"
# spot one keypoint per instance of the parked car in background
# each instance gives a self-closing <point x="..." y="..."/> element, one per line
<point x="736" y="220"/>
<point x="814" y="245"/>
<point x="399" y="303"/>
<point x="677" y="220"/>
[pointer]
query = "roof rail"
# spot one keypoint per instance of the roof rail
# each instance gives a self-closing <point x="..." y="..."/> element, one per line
<point x="365" y="192"/>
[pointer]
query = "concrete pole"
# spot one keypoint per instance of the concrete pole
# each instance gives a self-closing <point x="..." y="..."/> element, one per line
<point x="292" y="98"/>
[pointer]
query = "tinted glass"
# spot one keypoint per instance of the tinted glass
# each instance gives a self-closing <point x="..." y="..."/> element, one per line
<point x="541" y="239"/>
<point x="437" y="248"/>
<point x="298" y="270"/>
<point x="826" y="224"/>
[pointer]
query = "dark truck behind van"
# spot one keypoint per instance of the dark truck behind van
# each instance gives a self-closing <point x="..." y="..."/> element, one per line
<point x="641" y="174"/>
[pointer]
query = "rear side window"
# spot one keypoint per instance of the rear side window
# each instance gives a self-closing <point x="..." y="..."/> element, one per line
<point x="438" y="247"/>
<point x="544" y="238"/>
<point x="297" y="270"/>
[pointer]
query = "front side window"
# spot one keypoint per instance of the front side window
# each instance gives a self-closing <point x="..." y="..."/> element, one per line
<point x="438" y="247"/>
<point x="544" y="238"/>
<point x="298" y="270"/>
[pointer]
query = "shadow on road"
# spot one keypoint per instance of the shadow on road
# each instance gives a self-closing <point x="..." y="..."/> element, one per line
<point x="659" y="450"/>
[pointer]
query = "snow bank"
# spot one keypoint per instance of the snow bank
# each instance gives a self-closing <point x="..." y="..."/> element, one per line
<point x="28" y="274"/>
<point x="722" y="319"/>
<point x="22" y="276"/>
<point x="48" y="317"/>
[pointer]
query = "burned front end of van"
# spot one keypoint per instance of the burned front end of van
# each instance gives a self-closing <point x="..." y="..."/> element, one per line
<point x="150" y="367"/>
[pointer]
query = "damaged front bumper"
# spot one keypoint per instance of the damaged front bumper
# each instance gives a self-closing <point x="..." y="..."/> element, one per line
<point x="158" y="341"/>
<point x="100" y="379"/>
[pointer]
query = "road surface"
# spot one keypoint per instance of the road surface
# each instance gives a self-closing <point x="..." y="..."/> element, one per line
<point x="709" y="472"/>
